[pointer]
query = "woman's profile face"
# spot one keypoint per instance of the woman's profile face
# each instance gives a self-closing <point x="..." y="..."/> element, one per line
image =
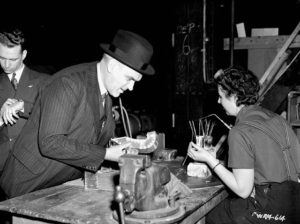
<point x="227" y="102"/>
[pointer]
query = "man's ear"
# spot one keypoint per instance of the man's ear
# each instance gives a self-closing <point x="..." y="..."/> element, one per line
<point x="24" y="54"/>
<point x="111" y="65"/>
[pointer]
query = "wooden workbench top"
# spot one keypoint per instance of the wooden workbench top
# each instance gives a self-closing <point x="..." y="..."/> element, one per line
<point x="73" y="204"/>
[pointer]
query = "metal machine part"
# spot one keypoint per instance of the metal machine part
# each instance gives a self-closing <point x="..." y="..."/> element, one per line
<point x="142" y="195"/>
<point x="165" y="154"/>
<point x="119" y="198"/>
<point x="143" y="183"/>
<point x="146" y="145"/>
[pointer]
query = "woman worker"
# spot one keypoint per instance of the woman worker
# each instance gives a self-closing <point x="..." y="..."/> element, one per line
<point x="263" y="157"/>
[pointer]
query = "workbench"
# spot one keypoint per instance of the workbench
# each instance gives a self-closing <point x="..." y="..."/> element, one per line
<point x="73" y="204"/>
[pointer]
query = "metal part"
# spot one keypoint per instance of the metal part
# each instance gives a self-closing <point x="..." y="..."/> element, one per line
<point x="159" y="216"/>
<point x="104" y="179"/>
<point x="165" y="154"/>
<point x="144" y="192"/>
<point x="143" y="183"/>
<point x="223" y="122"/>
<point x="146" y="145"/>
<point x="120" y="197"/>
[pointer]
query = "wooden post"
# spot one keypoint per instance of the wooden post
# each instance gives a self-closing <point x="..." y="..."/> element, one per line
<point x="279" y="54"/>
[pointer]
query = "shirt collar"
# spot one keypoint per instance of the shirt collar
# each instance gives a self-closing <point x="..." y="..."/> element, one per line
<point x="18" y="73"/>
<point x="103" y="90"/>
<point x="244" y="112"/>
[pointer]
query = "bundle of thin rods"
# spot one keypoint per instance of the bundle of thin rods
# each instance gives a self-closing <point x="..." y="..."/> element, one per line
<point x="205" y="128"/>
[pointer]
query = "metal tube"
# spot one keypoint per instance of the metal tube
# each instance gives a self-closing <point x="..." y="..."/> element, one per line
<point x="231" y="44"/>
<point x="204" y="43"/>
<point x="119" y="198"/>
<point x="223" y="122"/>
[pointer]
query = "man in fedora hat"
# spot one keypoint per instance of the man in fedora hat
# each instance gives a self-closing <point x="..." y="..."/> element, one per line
<point x="70" y="125"/>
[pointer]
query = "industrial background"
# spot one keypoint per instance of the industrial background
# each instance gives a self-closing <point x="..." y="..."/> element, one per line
<point x="188" y="39"/>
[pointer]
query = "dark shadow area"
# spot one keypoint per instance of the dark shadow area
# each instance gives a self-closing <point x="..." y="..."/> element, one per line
<point x="60" y="36"/>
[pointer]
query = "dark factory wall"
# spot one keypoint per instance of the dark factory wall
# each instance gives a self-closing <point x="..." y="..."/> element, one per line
<point x="62" y="35"/>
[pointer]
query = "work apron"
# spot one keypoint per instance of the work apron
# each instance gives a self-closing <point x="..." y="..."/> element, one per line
<point x="272" y="202"/>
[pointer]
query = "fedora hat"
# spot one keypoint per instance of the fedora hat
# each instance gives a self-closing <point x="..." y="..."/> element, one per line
<point x="132" y="50"/>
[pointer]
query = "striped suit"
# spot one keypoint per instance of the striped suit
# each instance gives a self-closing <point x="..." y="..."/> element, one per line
<point x="65" y="134"/>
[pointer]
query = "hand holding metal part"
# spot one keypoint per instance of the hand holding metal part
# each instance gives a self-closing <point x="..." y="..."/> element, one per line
<point x="201" y="154"/>
<point x="203" y="137"/>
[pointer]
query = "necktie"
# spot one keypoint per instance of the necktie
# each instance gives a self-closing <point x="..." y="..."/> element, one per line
<point x="14" y="81"/>
<point x="103" y="96"/>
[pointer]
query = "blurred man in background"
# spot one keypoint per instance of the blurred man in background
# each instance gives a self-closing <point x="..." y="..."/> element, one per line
<point x="19" y="88"/>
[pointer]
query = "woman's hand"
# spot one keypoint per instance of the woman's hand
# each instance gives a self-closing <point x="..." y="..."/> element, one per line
<point x="200" y="154"/>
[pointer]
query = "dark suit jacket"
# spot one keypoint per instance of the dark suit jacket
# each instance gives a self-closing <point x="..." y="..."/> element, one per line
<point x="30" y="84"/>
<point x="65" y="134"/>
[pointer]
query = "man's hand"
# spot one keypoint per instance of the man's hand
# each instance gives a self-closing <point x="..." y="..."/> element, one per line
<point x="10" y="109"/>
<point x="114" y="152"/>
<point x="10" y="101"/>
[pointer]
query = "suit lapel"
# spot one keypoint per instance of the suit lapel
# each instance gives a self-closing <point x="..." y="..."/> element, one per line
<point x="93" y="95"/>
<point x="6" y="89"/>
<point x="24" y="83"/>
<point x="93" y="91"/>
<point x="4" y="81"/>
<point x="24" y="77"/>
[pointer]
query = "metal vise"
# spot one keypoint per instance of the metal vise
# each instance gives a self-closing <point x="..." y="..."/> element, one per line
<point x="142" y="183"/>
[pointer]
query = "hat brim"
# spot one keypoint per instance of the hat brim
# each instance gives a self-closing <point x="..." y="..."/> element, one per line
<point x="148" y="71"/>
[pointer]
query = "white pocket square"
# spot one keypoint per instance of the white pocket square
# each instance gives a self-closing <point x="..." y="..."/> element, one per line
<point x="30" y="86"/>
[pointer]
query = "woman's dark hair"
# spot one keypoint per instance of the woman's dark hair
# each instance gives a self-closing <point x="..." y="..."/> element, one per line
<point x="240" y="82"/>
